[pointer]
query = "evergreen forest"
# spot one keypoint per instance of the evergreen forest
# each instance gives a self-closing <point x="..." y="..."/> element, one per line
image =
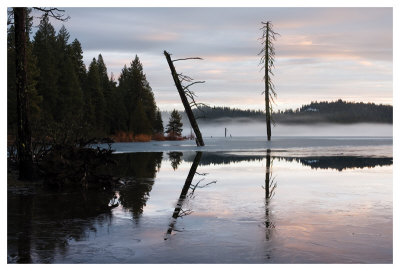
<point x="64" y="94"/>
<point x="331" y="112"/>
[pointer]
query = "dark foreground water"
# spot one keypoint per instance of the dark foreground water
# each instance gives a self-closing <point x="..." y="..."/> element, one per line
<point x="215" y="207"/>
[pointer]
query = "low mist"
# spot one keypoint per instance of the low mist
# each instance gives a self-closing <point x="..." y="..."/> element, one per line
<point x="248" y="127"/>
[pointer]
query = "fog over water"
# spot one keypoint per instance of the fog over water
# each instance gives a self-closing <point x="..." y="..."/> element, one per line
<point x="247" y="127"/>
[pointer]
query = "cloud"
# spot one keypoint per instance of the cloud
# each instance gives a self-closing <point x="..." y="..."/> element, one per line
<point x="321" y="53"/>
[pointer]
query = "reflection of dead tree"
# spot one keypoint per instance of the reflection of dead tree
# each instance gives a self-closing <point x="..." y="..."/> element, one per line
<point x="179" y="211"/>
<point x="184" y="192"/>
<point x="193" y="187"/>
<point x="270" y="186"/>
<point x="185" y="92"/>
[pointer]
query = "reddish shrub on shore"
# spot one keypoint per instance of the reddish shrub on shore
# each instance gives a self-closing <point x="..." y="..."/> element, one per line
<point x="122" y="136"/>
<point x="158" y="137"/>
<point x="174" y="137"/>
<point x="142" y="138"/>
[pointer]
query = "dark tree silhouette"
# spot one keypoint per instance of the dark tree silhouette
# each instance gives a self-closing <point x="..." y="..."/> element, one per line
<point x="158" y="123"/>
<point x="24" y="140"/>
<point x="174" y="127"/>
<point x="24" y="134"/>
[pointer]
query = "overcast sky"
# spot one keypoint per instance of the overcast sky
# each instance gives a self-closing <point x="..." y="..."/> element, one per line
<point x="321" y="53"/>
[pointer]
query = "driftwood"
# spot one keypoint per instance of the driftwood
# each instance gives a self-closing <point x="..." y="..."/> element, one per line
<point x="183" y="92"/>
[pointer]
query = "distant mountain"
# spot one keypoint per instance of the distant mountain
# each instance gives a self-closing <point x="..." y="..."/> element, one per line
<point x="316" y="112"/>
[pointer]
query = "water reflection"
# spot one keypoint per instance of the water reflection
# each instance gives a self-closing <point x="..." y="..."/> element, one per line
<point x="23" y="227"/>
<point x="341" y="162"/>
<point x="178" y="208"/>
<point x="136" y="165"/>
<point x="134" y="195"/>
<point x="175" y="158"/>
<point x="41" y="223"/>
<point x="270" y="186"/>
<point x="316" y="162"/>
<point x="137" y="172"/>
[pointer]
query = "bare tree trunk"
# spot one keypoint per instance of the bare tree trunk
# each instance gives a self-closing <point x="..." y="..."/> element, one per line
<point x="188" y="109"/>
<point x="267" y="102"/>
<point x="24" y="144"/>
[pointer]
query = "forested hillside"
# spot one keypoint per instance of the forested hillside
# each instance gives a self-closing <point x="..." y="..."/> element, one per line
<point x="334" y="112"/>
<point x="65" y="94"/>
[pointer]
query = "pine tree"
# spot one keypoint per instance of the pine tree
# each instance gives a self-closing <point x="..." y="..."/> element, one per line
<point x="76" y="55"/>
<point x="139" y="122"/>
<point x="94" y="98"/>
<point x="118" y="109"/>
<point x="158" y="123"/>
<point x="70" y="98"/>
<point x="44" y="46"/>
<point x="136" y="91"/>
<point x="174" y="127"/>
<point x="107" y="93"/>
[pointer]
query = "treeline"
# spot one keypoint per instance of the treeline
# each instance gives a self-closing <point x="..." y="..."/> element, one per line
<point x="338" y="112"/>
<point x="206" y="112"/>
<point x="333" y="112"/>
<point x="63" y="92"/>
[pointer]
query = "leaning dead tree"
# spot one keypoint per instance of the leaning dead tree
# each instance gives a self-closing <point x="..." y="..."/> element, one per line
<point x="185" y="93"/>
<point x="267" y="61"/>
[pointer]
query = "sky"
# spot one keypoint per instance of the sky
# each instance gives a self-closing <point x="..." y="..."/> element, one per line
<point x="321" y="53"/>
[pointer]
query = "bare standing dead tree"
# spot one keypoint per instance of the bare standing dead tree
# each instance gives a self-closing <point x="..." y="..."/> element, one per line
<point x="185" y="93"/>
<point x="24" y="134"/>
<point x="267" y="61"/>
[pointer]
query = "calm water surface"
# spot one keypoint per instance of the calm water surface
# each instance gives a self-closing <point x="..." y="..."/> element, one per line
<point x="213" y="207"/>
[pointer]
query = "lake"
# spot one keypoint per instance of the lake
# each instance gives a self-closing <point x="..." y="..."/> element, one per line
<point x="240" y="200"/>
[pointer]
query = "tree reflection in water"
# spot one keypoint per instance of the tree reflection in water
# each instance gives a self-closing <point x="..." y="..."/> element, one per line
<point x="137" y="172"/>
<point x="185" y="194"/>
<point x="41" y="223"/>
<point x="175" y="158"/>
<point x="270" y="186"/>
